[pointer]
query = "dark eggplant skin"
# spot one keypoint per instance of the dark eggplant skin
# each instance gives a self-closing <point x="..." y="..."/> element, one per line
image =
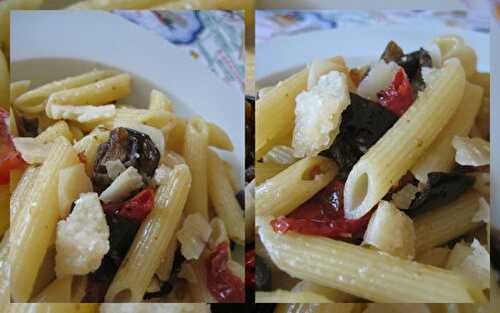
<point x="132" y="148"/>
<point x="495" y="249"/>
<point x="441" y="189"/>
<point x="392" y="52"/>
<point x="121" y="235"/>
<point x="363" y="123"/>
<point x="262" y="274"/>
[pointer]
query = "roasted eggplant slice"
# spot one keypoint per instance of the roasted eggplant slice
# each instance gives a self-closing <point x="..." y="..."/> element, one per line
<point x="441" y="189"/>
<point x="132" y="148"/>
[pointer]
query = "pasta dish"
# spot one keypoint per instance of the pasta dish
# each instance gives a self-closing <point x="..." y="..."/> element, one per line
<point x="113" y="203"/>
<point x="372" y="183"/>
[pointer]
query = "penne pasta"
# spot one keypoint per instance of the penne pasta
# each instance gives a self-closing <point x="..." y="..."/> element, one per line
<point x="223" y="199"/>
<point x="34" y="225"/>
<point x="63" y="290"/>
<point x="34" y="98"/>
<point x="266" y="170"/>
<point x="438" y="226"/>
<point x="60" y="128"/>
<point x="158" y="101"/>
<point x="195" y="154"/>
<point x="388" y="160"/>
<point x="333" y="295"/>
<point x="452" y="46"/>
<point x="284" y="296"/>
<point x="4" y="273"/>
<point x="99" y="93"/>
<point x="4" y="82"/>
<point x="17" y="89"/>
<point x="440" y="156"/>
<point x="24" y="188"/>
<point x="4" y="209"/>
<point x="137" y="270"/>
<point x="362" y="272"/>
<point x="218" y="138"/>
<point x="284" y="192"/>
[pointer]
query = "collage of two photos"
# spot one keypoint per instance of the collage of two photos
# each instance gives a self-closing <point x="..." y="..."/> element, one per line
<point x="306" y="159"/>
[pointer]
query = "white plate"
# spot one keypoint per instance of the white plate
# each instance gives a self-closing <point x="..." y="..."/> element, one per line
<point x="357" y="44"/>
<point x="49" y="45"/>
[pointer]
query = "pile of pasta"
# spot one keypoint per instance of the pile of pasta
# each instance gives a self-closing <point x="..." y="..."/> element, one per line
<point x="384" y="308"/>
<point x="109" y="308"/>
<point x="114" y="203"/>
<point x="372" y="183"/>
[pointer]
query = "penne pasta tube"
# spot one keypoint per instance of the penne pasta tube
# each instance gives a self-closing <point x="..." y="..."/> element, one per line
<point x="88" y="146"/>
<point x="53" y="308"/>
<point x="195" y="272"/>
<point x="318" y="308"/>
<point x="4" y="273"/>
<point x="24" y="188"/>
<point x="440" y="225"/>
<point x="218" y="138"/>
<point x="47" y="272"/>
<point x="290" y="188"/>
<point x="195" y="154"/>
<point x="440" y="156"/>
<point x="17" y="89"/>
<point x="388" y="160"/>
<point x="34" y="225"/>
<point x="4" y="82"/>
<point x="158" y="101"/>
<point x="453" y="46"/>
<point x="63" y="290"/>
<point x="266" y="170"/>
<point x="333" y="295"/>
<point x="223" y="199"/>
<point x="231" y="176"/>
<point x="285" y="296"/>
<point x="60" y="128"/>
<point x="481" y="79"/>
<point x="166" y="265"/>
<point x="37" y="96"/>
<point x="144" y="256"/>
<point x="363" y="272"/>
<point x="155" y="118"/>
<point x="279" y="101"/>
<point x="99" y="93"/>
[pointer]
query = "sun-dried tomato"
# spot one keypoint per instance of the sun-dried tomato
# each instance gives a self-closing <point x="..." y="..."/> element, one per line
<point x="323" y="215"/>
<point x="224" y="286"/>
<point x="250" y="269"/>
<point x="399" y="96"/>
<point x="136" y="208"/>
<point x="9" y="158"/>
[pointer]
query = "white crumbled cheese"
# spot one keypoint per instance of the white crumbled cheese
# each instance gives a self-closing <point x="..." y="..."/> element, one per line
<point x="429" y="75"/>
<point x="435" y="54"/>
<point x="32" y="151"/>
<point x="114" y="168"/>
<point x="280" y="154"/>
<point x="379" y="77"/>
<point x="471" y="151"/>
<point x="483" y="214"/>
<point x="318" y="68"/>
<point x="194" y="235"/>
<point x="83" y="238"/>
<point x="81" y="113"/>
<point x="122" y="186"/>
<point x="162" y="174"/>
<point x="400" y="241"/>
<point x="471" y="261"/>
<point x="155" y="134"/>
<point x="404" y="197"/>
<point x="154" y="308"/>
<point x="318" y="113"/>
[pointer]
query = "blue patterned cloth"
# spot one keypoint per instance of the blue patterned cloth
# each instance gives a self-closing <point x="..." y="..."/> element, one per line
<point x="216" y="38"/>
<point x="274" y="23"/>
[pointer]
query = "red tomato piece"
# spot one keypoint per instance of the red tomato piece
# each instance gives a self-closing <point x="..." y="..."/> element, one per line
<point x="9" y="158"/>
<point x="250" y="261"/>
<point x="224" y="286"/>
<point x="323" y="215"/>
<point x="136" y="208"/>
<point x="399" y="96"/>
